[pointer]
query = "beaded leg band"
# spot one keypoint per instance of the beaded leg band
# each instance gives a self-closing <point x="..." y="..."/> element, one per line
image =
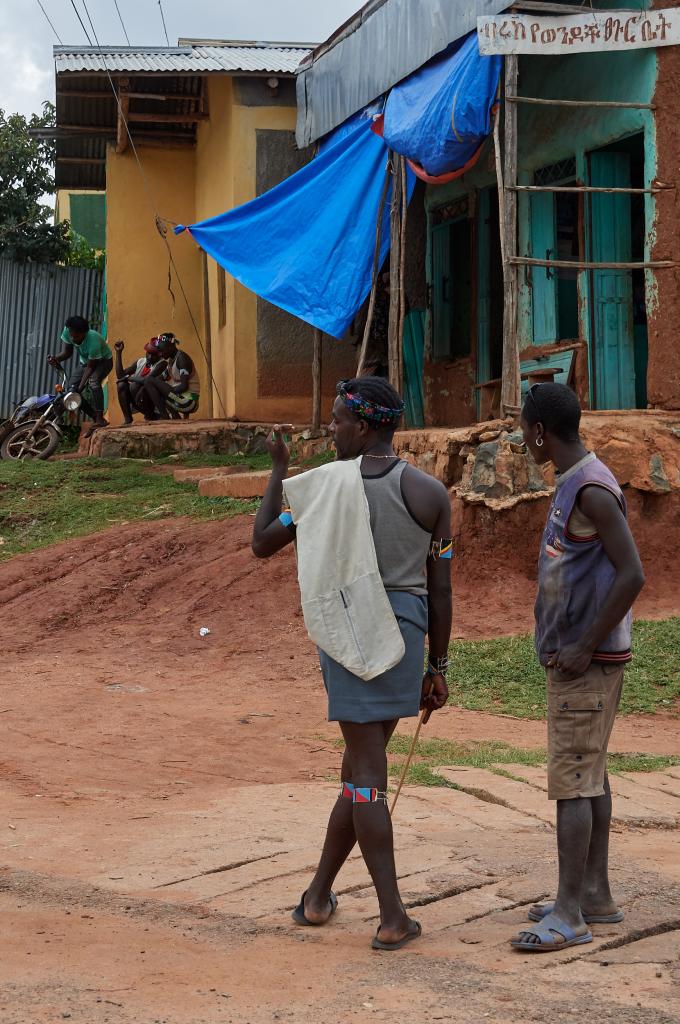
<point x="366" y="795"/>
<point x="361" y="794"/>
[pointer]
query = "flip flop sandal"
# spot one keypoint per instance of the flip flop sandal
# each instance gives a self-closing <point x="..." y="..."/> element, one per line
<point x="298" y="914"/>
<point x="547" y="932"/>
<point x="409" y="937"/>
<point x="548" y="908"/>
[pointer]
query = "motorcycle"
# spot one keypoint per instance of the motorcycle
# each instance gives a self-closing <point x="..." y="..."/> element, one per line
<point x="28" y="408"/>
<point x="36" y="427"/>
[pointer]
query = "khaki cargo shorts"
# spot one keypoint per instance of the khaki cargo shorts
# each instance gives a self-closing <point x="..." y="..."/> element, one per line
<point x="581" y="713"/>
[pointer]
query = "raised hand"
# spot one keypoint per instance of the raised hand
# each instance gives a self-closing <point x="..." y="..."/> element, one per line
<point x="277" y="447"/>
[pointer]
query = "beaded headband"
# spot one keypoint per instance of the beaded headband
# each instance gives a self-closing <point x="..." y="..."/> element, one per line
<point x="376" y="415"/>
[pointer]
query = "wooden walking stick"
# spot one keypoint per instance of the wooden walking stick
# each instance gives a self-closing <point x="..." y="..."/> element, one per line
<point x="408" y="762"/>
<point x="409" y="758"/>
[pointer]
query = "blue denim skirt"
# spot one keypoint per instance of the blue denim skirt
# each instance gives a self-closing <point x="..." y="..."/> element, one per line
<point x="395" y="693"/>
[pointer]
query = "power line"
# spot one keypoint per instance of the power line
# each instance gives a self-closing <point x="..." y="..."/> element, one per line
<point x="122" y="22"/>
<point x="87" y="12"/>
<point x="160" y="8"/>
<point x="49" y="22"/>
<point x="160" y="221"/>
<point x="82" y="23"/>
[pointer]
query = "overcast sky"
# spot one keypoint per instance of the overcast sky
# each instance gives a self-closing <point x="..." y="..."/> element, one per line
<point x="26" y="39"/>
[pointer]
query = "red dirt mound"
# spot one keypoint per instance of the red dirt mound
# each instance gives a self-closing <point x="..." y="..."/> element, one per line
<point x="104" y="664"/>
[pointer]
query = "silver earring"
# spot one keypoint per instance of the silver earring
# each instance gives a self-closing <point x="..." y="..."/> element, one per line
<point x="539" y="442"/>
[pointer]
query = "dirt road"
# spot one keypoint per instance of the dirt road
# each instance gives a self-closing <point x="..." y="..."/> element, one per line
<point x="163" y="796"/>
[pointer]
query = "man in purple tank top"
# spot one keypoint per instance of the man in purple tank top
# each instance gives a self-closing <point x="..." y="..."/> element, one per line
<point x="589" y="574"/>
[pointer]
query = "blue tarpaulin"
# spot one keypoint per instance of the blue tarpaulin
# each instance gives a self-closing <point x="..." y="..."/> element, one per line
<point x="439" y="116"/>
<point x="307" y="244"/>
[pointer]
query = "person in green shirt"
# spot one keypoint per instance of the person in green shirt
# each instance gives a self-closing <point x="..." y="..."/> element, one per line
<point x="95" y="363"/>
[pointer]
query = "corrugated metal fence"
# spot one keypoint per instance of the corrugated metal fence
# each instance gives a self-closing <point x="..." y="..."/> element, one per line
<point x="35" y="301"/>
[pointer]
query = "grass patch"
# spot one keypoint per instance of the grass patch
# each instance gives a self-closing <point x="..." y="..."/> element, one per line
<point x="432" y="754"/>
<point x="502" y="676"/>
<point x="196" y="460"/>
<point x="42" y="503"/>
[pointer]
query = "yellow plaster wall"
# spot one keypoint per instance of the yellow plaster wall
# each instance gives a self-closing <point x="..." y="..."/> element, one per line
<point x="215" y="194"/>
<point x="189" y="186"/>
<point x="245" y="123"/>
<point x="139" y="303"/>
<point x="226" y="158"/>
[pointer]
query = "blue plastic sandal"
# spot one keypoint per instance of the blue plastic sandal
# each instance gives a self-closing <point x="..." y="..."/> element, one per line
<point x="547" y="933"/>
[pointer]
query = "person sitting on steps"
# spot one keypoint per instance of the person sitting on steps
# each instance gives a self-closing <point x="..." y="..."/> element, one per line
<point x="178" y="394"/>
<point x="132" y="396"/>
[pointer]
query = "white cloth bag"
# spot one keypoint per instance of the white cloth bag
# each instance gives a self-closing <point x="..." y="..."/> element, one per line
<point x="345" y="606"/>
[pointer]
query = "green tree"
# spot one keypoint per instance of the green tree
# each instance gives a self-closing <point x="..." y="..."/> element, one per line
<point x="27" y="231"/>
<point x="82" y="254"/>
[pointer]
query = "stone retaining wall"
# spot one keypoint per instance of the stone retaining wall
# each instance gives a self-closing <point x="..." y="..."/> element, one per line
<point x="484" y="463"/>
<point x="487" y="462"/>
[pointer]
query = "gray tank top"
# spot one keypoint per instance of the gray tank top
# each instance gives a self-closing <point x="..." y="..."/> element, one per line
<point x="401" y="544"/>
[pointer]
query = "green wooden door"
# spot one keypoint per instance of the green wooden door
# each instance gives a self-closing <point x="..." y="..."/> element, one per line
<point x="610" y="238"/>
<point x="543" y="279"/>
<point x="414" y="346"/>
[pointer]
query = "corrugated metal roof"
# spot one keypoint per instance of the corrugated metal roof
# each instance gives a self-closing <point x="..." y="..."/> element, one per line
<point x="386" y="41"/>
<point x="86" y="101"/>
<point x="204" y="57"/>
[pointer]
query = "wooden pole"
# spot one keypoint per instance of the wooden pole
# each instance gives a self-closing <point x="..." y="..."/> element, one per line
<point x="407" y="763"/>
<point x="208" y="335"/>
<point x="511" y="385"/>
<point x="122" y="116"/>
<point x="402" y="268"/>
<point x="144" y="117"/>
<point x="499" y="180"/>
<point x="393" y="340"/>
<point x="376" y="268"/>
<point x="581" y="188"/>
<point x="579" y="103"/>
<point x="316" y="378"/>
<point x="528" y="261"/>
<point x="540" y="7"/>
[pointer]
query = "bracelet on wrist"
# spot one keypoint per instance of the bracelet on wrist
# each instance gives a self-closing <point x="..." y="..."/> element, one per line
<point x="438" y="666"/>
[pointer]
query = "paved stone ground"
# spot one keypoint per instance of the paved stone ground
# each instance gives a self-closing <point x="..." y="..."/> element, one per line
<point x="187" y="920"/>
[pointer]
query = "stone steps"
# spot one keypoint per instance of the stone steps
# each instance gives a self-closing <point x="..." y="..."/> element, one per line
<point x="198" y="473"/>
<point x="237" y="485"/>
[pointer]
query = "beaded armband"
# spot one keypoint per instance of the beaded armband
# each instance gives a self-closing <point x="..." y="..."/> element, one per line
<point x="286" y="518"/>
<point x="441" y="549"/>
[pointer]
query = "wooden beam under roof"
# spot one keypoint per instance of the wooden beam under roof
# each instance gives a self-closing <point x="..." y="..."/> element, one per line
<point x="190" y="118"/>
<point x="84" y="129"/>
<point x="106" y="94"/>
<point x="166" y="141"/>
<point x="81" y="160"/>
<point x="541" y="7"/>
<point x="123" y="107"/>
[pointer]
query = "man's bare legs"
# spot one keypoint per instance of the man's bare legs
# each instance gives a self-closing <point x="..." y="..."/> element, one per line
<point x="583" y="849"/>
<point x="364" y="764"/>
